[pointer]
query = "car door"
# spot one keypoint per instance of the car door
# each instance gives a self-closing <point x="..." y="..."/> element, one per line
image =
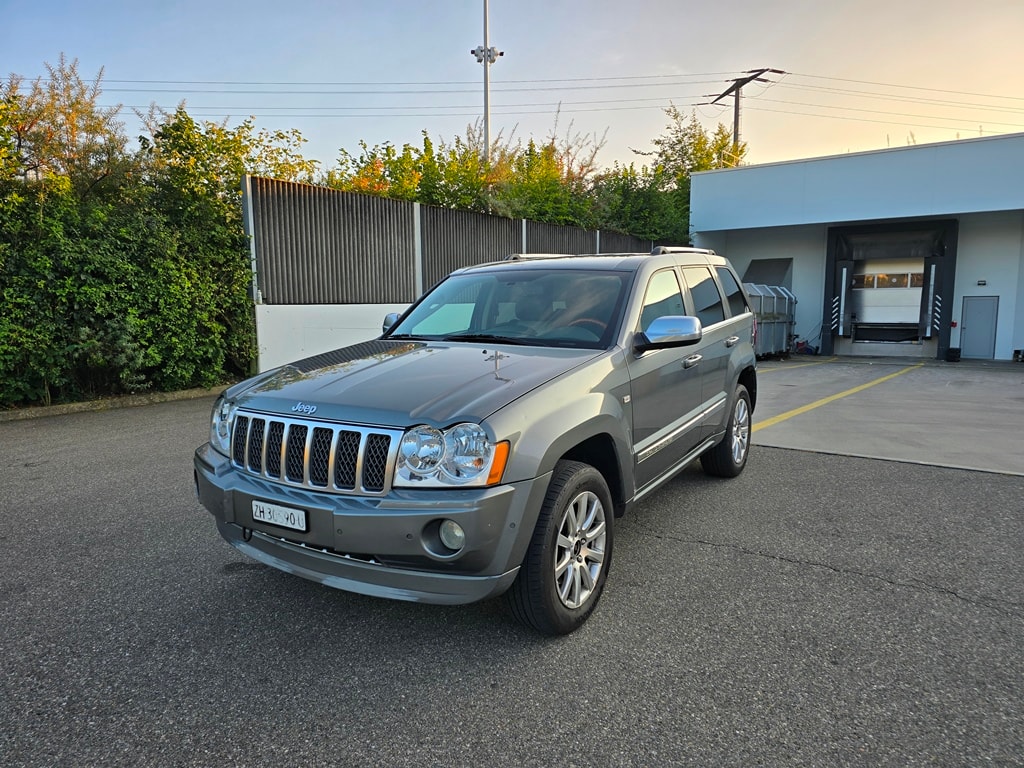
<point x="665" y="389"/>
<point x="720" y="336"/>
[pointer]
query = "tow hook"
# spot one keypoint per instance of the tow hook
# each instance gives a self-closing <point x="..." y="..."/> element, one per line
<point x="246" y="533"/>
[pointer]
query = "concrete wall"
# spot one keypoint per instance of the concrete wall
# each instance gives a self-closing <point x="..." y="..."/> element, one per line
<point x="804" y="245"/>
<point x="289" y="332"/>
<point x="990" y="249"/>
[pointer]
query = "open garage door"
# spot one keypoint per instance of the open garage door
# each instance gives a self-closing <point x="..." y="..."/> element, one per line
<point x="889" y="288"/>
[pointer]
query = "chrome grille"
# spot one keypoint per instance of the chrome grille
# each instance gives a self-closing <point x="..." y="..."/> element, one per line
<point x="315" y="455"/>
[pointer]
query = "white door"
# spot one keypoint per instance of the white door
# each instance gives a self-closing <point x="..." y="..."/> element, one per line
<point x="978" y="327"/>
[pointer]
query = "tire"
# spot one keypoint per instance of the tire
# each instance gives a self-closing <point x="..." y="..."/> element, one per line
<point x="728" y="458"/>
<point x="564" y="571"/>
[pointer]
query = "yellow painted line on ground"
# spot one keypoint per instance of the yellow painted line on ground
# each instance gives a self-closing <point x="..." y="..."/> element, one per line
<point x="791" y="367"/>
<point x="830" y="399"/>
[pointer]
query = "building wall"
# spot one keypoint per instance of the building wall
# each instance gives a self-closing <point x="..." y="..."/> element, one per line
<point x="990" y="249"/>
<point x="785" y="210"/>
<point x="804" y="245"/>
<point x="289" y="332"/>
<point x="1018" y="331"/>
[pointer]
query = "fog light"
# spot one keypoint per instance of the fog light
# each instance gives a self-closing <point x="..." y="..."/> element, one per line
<point x="452" y="535"/>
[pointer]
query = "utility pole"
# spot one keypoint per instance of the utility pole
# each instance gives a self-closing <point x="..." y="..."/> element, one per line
<point x="487" y="55"/>
<point x="752" y="76"/>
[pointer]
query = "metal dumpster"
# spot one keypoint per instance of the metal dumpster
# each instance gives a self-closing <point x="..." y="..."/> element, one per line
<point x="774" y="307"/>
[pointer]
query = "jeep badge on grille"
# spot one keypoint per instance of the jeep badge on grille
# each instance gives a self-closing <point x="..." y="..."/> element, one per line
<point x="301" y="407"/>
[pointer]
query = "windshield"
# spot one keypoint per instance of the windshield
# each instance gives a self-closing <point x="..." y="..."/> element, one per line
<point x="554" y="307"/>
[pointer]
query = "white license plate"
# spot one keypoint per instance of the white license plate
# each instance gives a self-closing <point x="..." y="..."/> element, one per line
<point x="274" y="514"/>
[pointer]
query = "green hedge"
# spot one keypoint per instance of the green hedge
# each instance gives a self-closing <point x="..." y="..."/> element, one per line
<point x="117" y="295"/>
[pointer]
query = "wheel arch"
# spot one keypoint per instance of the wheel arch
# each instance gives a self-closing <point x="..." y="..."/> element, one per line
<point x="748" y="378"/>
<point x="599" y="452"/>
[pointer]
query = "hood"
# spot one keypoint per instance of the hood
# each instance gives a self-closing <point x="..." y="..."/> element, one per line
<point x="403" y="383"/>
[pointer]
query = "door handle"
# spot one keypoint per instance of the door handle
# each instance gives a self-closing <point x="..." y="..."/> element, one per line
<point x="732" y="341"/>
<point x="692" y="360"/>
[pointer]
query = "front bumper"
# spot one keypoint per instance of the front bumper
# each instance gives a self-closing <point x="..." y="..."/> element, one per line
<point x="379" y="546"/>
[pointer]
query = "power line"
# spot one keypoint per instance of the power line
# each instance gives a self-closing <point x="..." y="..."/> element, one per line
<point x="731" y="77"/>
<point x="884" y="112"/>
<point x="915" y="95"/>
<point x="260" y="92"/>
<point x="476" y="113"/>
<point x="407" y="82"/>
<point x="913" y="87"/>
<point x="859" y="119"/>
<point x="900" y="98"/>
<point x="660" y="104"/>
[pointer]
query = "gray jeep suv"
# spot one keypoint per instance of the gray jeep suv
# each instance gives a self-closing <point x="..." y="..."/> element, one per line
<point x="486" y="442"/>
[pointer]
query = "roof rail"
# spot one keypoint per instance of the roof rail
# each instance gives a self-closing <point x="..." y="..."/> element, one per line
<point x="527" y="256"/>
<point x="659" y="249"/>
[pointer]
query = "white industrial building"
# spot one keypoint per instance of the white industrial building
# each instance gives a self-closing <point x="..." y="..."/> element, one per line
<point x="916" y="251"/>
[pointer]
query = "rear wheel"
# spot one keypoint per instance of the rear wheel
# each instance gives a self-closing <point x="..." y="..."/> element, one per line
<point x="728" y="458"/>
<point x="563" y="573"/>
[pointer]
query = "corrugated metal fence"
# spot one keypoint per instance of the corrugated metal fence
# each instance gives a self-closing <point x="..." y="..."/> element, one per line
<point x="313" y="245"/>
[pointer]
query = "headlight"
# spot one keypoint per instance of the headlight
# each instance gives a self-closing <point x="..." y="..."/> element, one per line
<point x="461" y="455"/>
<point x="220" y="425"/>
<point x="421" y="450"/>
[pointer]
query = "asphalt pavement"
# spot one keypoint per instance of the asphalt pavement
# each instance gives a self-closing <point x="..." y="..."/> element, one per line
<point x="818" y="610"/>
<point x="968" y="415"/>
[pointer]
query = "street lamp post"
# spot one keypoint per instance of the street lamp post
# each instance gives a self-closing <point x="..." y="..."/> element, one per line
<point x="487" y="55"/>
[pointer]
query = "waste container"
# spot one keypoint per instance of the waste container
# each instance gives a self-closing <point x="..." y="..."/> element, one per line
<point x="775" y="309"/>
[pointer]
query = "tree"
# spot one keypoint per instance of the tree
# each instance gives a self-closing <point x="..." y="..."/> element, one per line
<point x="192" y="195"/>
<point x="640" y="202"/>
<point x="379" y="170"/>
<point x="57" y="128"/>
<point x="686" y="147"/>
<point x="548" y="182"/>
<point x="453" y="175"/>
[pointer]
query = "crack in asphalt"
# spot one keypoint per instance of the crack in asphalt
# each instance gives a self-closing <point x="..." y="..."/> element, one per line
<point x="1005" y="607"/>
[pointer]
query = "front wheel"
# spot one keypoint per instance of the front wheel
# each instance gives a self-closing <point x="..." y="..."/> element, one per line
<point x="728" y="458"/>
<point x="563" y="573"/>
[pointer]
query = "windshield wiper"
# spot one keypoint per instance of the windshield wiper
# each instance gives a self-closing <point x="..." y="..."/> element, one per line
<point x="406" y="336"/>
<point x="487" y="337"/>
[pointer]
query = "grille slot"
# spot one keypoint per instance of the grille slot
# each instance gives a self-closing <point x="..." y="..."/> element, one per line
<point x="316" y="455"/>
<point x="320" y="456"/>
<point x="238" y="444"/>
<point x="374" y="461"/>
<point x="274" y="438"/>
<point x="346" y="457"/>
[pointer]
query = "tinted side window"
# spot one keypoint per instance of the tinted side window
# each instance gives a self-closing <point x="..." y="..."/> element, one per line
<point x="733" y="293"/>
<point x="706" y="298"/>
<point x="663" y="298"/>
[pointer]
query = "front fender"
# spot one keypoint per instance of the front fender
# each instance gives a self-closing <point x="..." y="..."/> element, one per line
<point x="549" y="422"/>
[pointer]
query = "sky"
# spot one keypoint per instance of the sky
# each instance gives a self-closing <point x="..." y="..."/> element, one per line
<point x="859" y="75"/>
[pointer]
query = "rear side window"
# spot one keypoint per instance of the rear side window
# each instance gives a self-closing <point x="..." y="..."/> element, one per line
<point x="733" y="293"/>
<point x="663" y="298"/>
<point x="706" y="298"/>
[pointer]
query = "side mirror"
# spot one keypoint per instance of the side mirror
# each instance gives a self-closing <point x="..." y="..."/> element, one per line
<point x="669" y="331"/>
<point x="389" y="320"/>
